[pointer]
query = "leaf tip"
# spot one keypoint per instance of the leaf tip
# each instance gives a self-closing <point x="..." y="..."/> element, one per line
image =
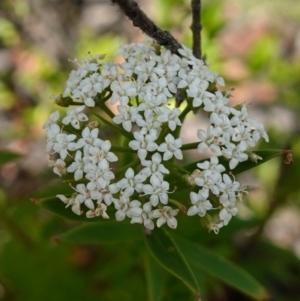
<point x="55" y="239"/>
<point x="267" y="297"/>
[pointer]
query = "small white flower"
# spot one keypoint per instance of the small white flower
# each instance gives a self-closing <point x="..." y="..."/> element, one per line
<point x="109" y="72"/>
<point x="259" y="130"/>
<point x="89" y="137"/>
<point x="126" y="117"/>
<point x="143" y="143"/>
<point x="187" y="79"/>
<point x="75" y="116"/>
<point x="227" y="213"/>
<point x="92" y="84"/>
<point x="222" y="121"/>
<point x="170" y="116"/>
<point x="128" y="208"/>
<point x="158" y="191"/>
<point x="217" y="104"/>
<point x="210" y="139"/>
<point x="200" y="204"/>
<point x="131" y="182"/>
<point x="229" y="190"/>
<point x="148" y="123"/>
<point x="235" y="154"/>
<point x="52" y="132"/>
<point x="208" y="180"/>
<point x="122" y="92"/>
<point x="239" y="116"/>
<point x="99" y="211"/>
<point x="101" y="173"/>
<point x="154" y="167"/>
<point x="96" y="154"/>
<point x="198" y="93"/>
<point x="100" y="194"/>
<point x="244" y="137"/>
<point x="63" y="144"/>
<point x="213" y="165"/>
<point x="166" y="215"/>
<point x="80" y="96"/>
<point x="84" y="196"/>
<point x="72" y="201"/>
<point x="215" y="227"/>
<point x="159" y="87"/>
<point x="77" y="166"/>
<point x="145" y="69"/>
<point x="254" y="157"/>
<point x="53" y="118"/>
<point x="145" y="217"/>
<point x="59" y="166"/>
<point x="171" y="147"/>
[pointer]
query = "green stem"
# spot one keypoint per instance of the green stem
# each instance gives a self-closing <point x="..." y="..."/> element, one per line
<point x="162" y="134"/>
<point x="108" y="111"/>
<point x="184" y="113"/>
<point x="176" y="167"/>
<point x="137" y="101"/>
<point x="173" y="169"/>
<point x="181" y="118"/>
<point x="130" y="165"/>
<point x="122" y="149"/>
<point x="107" y="97"/>
<point x="115" y="127"/>
<point x="188" y="146"/>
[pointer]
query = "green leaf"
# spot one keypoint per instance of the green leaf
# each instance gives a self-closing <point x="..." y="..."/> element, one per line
<point x="154" y="278"/>
<point x="7" y="156"/>
<point x="107" y="231"/>
<point x="266" y="155"/>
<point x="56" y="206"/>
<point x="204" y="260"/>
<point x="165" y="251"/>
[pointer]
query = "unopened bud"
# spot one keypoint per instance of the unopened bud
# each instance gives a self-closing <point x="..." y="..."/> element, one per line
<point x="63" y="101"/>
<point x="93" y="124"/>
<point x="190" y="179"/>
<point x="253" y="157"/>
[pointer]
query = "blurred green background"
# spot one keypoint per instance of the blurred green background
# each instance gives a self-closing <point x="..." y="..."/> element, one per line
<point x="254" y="45"/>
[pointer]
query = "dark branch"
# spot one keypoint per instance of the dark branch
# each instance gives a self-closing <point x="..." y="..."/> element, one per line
<point x="139" y="19"/>
<point x="196" y="27"/>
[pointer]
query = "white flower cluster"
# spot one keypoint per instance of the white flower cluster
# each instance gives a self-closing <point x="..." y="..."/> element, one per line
<point x="142" y="88"/>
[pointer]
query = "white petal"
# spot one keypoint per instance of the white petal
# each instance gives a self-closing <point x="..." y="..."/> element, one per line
<point x="192" y="211"/>
<point x="172" y="222"/>
<point x="120" y="215"/>
<point x="167" y="155"/>
<point x="161" y="221"/>
<point x="89" y="203"/>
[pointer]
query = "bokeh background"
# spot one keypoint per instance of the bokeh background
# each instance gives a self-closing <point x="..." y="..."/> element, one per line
<point x="254" y="45"/>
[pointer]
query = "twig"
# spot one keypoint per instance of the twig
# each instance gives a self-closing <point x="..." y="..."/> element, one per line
<point x="196" y="27"/>
<point x="139" y="19"/>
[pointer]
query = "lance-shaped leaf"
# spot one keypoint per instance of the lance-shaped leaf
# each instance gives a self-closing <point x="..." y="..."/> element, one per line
<point x="7" y="156"/>
<point x="56" y="206"/>
<point x="266" y="155"/>
<point x="165" y="251"/>
<point x="154" y="278"/>
<point x="107" y="231"/>
<point x="203" y="260"/>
